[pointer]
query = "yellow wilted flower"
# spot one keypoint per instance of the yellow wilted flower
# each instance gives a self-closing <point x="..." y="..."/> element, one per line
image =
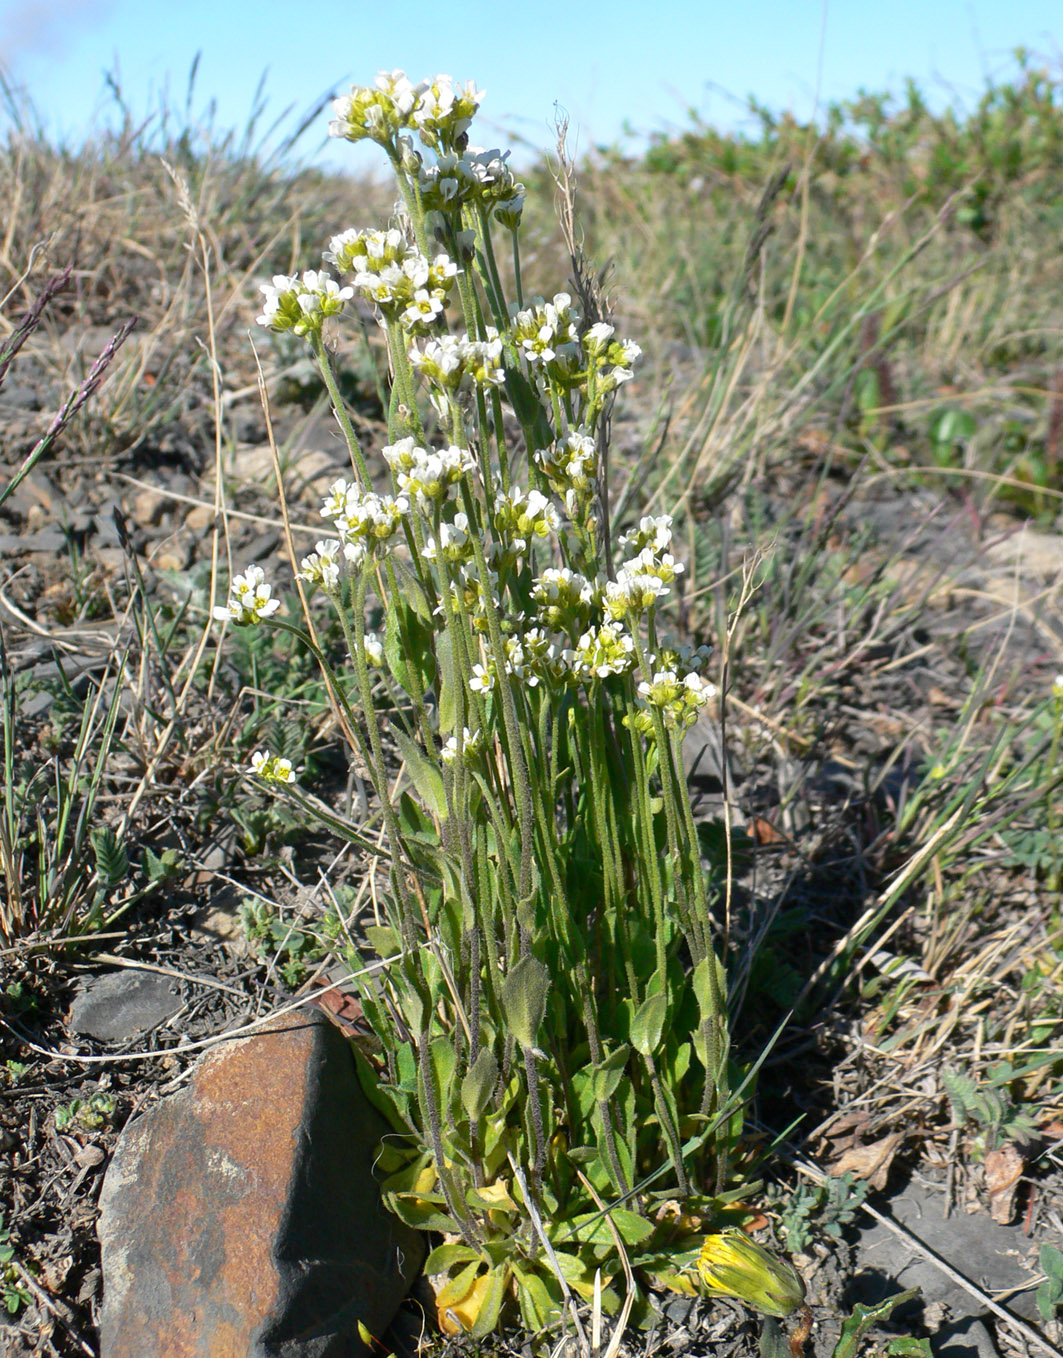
<point x="733" y="1265"/>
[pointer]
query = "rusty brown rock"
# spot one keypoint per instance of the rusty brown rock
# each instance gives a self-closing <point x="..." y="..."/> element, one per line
<point x="240" y="1217"/>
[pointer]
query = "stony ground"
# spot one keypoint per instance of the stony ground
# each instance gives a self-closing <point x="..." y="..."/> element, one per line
<point x="106" y="1020"/>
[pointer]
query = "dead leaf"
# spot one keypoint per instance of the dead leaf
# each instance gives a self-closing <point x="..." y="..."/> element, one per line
<point x="1003" y="1171"/>
<point x="871" y="1162"/>
<point x="762" y="832"/>
<point x="344" y="1010"/>
<point x="845" y="1130"/>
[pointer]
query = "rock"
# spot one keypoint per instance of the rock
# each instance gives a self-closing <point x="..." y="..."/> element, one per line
<point x="966" y="1338"/>
<point x="123" y="1004"/>
<point x="240" y="1216"/>
<point x="148" y="507"/>
<point x="1035" y="554"/>
<point x="175" y="554"/>
<point x="200" y="519"/>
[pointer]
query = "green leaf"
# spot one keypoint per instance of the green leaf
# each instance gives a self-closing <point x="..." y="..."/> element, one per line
<point x="444" y="1257"/>
<point x="1051" y="1261"/>
<point x="952" y="426"/>
<point x="112" y="861"/>
<point x="449" y="682"/>
<point x="609" y="1073"/>
<point x="540" y="1305"/>
<point x="648" y="1023"/>
<point x="907" y="1346"/>
<point x="528" y="408"/>
<point x="479" y="1084"/>
<point x="862" y="1320"/>
<point x="406" y="1064"/>
<point x="523" y="994"/>
<point x="703" y="988"/>
<point x="773" y="1344"/>
<point x="491" y="1304"/>
<point x="444" y="1060"/>
<point x="159" y="867"/>
<point x="383" y="939"/>
<point x="423" y="773"/>
<point x="417" y="1211"/>
<point x="591" y="1228"/>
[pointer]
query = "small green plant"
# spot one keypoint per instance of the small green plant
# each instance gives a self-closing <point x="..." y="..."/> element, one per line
<point x="990" y="1105"/>
<point x="12" y="1287"/>
<point x="91" y="1114"/>
<point x="549" y="1005"/>
<point x="14" y="1071"/>
<point x="58" y="864"/>
<point x="1050" y="1293"/>
<point x="291" y="948"/>
<point x="819" y="1209"/>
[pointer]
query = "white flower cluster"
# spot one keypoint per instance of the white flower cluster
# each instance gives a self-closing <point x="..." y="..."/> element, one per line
<point x="549" y="337"/>
<point x="645" y="577"/>
<point x="549" y="331"/>
<point x="564" y="597"/>
<point x="517" y="517"/>
<point x="528" y="659"/>
<point x="610" y="359"/>
<point x="453" y="361"/>
<point x="427" y="476"/>
<point x="439" y="110"/>
<point x="374" y="651"/>
<point x="301" y="305"/>
<point x="602" y="651"/>
<point x="570" y="467"/>
<point x="473" y="175"/>
<point x="680" y="700"/>
<point x="250" y="599"/>
<point x="394" y="275"/>
<point x="363" y="519"/>
<point x="453" y="543"/>
<point x="322" y="567"/>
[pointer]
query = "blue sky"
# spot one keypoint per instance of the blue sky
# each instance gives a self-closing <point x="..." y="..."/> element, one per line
<point x="604" y="61"/>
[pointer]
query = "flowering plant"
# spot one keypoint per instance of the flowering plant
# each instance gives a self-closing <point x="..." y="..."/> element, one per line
<point x="549" y="1013"/>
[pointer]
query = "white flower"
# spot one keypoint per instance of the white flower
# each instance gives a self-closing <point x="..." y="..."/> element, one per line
<point x="605" y="651"/>
<point x="322" y="567"/>
<point x="655" y="533"/>
<point x="471" y="744"/>
<point x="631" y="594"/>
<point x="565" y="598"/>
<point x="374" y="651"/>
<point x="427" y="475"/>
<point x="597" y="336"/>
<point x="272" y="769"/>
<point x="453" y="543"/>
<point x="483" y="679"/>
<point x="1057" y="686"/>
<point x="663" y="690"/>
<point x="249" y="599"/>
<point x="301" y="305"/>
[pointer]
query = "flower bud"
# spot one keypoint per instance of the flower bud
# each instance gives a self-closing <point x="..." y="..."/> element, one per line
<point x="733" y="1265"/>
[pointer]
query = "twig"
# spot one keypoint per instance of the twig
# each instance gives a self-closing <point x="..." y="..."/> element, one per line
<point x="533" y="1212"/>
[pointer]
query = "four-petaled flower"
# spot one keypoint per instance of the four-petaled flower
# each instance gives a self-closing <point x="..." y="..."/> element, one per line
<point x="249" y="599"/>
<point x="271" y="768"/>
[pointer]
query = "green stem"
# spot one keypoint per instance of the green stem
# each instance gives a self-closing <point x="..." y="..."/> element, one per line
<point x="339" y="407"/>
